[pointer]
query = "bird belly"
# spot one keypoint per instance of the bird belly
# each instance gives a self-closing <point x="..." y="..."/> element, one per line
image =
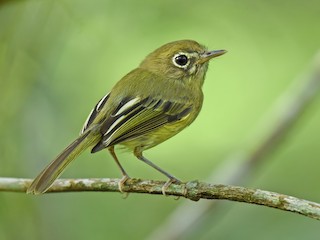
<point x="154" y="137"/>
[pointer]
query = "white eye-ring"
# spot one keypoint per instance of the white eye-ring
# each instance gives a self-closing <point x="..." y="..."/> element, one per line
<point x="181" y="60"/>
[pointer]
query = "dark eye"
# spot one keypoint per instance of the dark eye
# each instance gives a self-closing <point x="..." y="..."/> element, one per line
<point x="181" y="60"/>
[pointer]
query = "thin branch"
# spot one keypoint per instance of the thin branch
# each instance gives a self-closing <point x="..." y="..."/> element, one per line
<point x="193" y="190"/>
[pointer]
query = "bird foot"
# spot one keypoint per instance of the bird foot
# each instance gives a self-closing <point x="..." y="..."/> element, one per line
<point x="121" y="184"/>
<point x="167" y="184"/>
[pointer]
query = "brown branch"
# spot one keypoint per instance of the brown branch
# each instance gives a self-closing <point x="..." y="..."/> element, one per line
<point x="192" y="190"/>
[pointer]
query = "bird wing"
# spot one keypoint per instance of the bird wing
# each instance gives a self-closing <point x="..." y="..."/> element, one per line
<point x="94" y="112"/>
<point x="135" y="117"/>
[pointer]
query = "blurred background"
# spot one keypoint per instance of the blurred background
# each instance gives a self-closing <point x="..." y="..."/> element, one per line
<point x="58" y="58"/>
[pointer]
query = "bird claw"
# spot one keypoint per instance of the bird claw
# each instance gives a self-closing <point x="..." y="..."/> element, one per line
<point x="121" y="184"/>
<point x="167" y="184"/>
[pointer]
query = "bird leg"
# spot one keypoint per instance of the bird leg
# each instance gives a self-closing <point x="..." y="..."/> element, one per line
<point x="172" y="179"/>
<point x="125" y="176"/>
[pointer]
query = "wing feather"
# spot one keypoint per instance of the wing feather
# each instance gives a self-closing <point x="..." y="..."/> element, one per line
<point x="137" y="117"/>
<point x="94" y="112"/>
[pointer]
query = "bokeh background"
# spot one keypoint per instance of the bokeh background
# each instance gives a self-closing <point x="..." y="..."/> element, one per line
<point x="57" y="58"/>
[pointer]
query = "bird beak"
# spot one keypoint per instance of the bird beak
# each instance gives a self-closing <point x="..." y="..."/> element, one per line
<point x="211" y="54"/>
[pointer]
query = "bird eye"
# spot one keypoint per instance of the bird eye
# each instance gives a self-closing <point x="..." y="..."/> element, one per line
<point x="180" y="60"/>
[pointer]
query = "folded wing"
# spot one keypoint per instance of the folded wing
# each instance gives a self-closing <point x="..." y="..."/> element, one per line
<point x="138" y="116"/>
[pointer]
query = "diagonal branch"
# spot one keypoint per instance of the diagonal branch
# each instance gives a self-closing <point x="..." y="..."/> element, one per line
<point x="277" y="124"/>
<point x="192" y="190"/>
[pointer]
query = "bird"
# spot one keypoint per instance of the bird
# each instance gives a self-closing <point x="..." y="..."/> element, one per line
<point x="149" y="105"/>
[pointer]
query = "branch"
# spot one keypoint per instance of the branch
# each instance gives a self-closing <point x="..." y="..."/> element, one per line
<point x="192" y="190"/>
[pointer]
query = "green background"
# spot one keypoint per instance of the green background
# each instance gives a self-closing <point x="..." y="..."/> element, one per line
<point x="58" y="58"/>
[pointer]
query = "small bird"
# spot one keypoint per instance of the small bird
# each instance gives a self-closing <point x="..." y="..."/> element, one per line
<point x="149" y="105"/>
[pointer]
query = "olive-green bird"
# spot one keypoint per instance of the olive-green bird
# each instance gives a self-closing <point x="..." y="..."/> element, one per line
<point x="146" y="107"/>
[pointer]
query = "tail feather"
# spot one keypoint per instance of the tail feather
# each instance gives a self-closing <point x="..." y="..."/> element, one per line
<point x="46" y="178"/>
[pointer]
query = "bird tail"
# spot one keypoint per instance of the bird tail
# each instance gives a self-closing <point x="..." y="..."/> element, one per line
<point x="46" y="178"/>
